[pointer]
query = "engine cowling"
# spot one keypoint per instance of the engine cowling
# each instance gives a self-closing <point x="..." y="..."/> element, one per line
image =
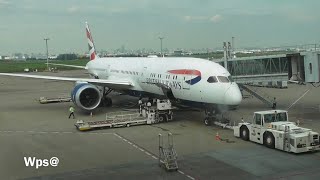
<point x="86" y="96"/>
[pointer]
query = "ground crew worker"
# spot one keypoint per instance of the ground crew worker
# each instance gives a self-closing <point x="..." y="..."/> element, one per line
<point x="149" y="106"/>
<point x="274" y="103"/>
<point x="140" y="106"/>
<point x="71" y="110"/>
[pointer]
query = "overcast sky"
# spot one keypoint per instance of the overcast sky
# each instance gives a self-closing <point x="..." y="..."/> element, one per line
<point x="138" y="23"/>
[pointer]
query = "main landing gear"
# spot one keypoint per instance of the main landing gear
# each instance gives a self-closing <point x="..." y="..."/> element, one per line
<point x="106" y="101"/>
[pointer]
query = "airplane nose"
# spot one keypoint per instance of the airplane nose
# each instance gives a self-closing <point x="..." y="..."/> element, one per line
<point x="233" y="96"/>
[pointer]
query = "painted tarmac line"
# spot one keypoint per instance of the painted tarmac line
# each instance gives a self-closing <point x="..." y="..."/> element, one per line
<point x="149" y="154"/>
<point x="190" y="177"/>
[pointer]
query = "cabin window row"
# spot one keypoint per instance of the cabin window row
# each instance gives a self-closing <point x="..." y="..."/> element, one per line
<point x="130" y="72"/>
<point x="160" y="75"/>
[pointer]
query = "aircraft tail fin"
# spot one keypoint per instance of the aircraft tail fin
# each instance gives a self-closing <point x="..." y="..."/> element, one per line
<point x="92" y="50"/>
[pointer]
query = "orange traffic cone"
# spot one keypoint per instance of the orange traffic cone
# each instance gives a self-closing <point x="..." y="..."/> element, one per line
<point x="218" y="138"/>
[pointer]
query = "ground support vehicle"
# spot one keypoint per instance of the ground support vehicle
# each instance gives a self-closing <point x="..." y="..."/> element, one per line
<point x="272" y="129"/>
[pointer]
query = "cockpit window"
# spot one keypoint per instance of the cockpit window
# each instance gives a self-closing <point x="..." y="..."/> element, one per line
<point x="230" y="79"/>
<point x="212" y="79"/>
<point x="223" y="79"/>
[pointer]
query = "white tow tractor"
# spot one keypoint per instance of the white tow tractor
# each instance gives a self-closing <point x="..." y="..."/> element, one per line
<point x="273" y="129"/>
<point x="148" y="115"/>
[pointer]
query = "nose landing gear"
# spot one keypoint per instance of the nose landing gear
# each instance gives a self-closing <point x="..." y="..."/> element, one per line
<point x="209" y="116"/>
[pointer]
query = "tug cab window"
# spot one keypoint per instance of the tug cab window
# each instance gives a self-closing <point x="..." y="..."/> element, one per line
<point x="223" y="79"/>
<point x="258" y="119"/>
<point x="212" y="79"/>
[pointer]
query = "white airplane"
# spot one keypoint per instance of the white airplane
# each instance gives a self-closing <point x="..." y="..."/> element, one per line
<point x="191" y="81"/>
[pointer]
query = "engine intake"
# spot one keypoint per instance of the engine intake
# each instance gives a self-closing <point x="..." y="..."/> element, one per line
<point x="86" y="96"/>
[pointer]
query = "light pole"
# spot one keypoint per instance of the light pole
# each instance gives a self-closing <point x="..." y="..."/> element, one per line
<point x="161" y="38"/>
<point x="46" y="39"/>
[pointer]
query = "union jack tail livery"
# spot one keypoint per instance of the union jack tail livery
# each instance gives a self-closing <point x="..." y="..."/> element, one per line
<point x="92" y="50"/>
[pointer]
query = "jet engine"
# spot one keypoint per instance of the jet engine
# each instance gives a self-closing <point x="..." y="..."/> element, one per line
<point x="86" y="96"/>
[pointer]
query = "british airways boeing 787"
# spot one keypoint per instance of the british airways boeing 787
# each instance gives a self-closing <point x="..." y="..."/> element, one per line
<point x="191" y="81"/>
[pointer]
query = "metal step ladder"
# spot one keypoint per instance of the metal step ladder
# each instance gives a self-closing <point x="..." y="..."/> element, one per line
<point x="167" y="155"/>
<point x="265" y="99"/>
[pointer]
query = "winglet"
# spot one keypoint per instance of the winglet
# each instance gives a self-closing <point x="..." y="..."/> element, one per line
<point x="92" y="50"/>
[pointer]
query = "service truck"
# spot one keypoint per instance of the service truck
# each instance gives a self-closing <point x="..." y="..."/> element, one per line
<point x="147" y="115"/>
<point x="272" y="129"/>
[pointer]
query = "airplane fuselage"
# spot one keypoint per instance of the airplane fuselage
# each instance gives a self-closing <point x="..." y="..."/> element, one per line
<point x="187" y="78"/>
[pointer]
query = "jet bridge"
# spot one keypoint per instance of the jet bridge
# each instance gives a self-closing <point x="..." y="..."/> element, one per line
<point x="304" y="67"/>
<point x="276" y="70"/>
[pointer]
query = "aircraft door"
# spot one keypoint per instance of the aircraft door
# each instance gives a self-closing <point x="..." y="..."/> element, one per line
<point x="143" y="77"/>
<point x="107" y="71"/>
<point x="186" y="83"/>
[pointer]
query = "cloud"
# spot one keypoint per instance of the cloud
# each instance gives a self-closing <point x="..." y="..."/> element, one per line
<point x="4" y="3"/>
<point x="73" y="9"/>
<point x="195" y="18"/>
<point x="301" y="17"/>
<point x="215" y="19"/>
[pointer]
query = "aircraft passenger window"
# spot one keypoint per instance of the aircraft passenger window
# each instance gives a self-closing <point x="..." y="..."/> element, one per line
<point x="223" y="79"/>
<point x="212" y="79"/>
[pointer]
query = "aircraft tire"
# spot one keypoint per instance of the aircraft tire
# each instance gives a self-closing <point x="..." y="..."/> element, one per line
<point x="207" y="121"/>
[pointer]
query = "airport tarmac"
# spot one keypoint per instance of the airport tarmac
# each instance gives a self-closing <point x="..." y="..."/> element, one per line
<point x="31" y="129"/>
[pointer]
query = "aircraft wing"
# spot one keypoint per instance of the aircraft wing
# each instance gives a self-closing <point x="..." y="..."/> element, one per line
<point x="123" y="84"/>
<point x="67" y="65"/>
